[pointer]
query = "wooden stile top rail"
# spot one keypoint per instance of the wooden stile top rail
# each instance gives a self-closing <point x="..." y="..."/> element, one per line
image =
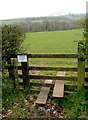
<point x="49" y="68"/>
<point x="54" y="55"/>
<point x="73" y="78"/>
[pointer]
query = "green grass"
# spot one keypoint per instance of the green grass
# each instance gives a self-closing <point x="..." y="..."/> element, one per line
<point x="52" y="42"/>
<point x="74" y="105"/>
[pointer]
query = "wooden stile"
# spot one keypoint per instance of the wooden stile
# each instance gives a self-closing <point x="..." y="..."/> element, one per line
<point x="59" y="86"/>
<point x="42" y="97"/>
<point x="80" y="78"/>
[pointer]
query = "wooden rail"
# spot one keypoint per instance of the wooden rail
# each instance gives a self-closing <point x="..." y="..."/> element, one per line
<point x="52" y="55"/>
<point x="48" y="68"/>
<point x="72" y="78"/>
<point x="53" y="68"/>
<point x="69" y="78"/>
<point x="73" y="55"/>
<point x="26" y="76"/>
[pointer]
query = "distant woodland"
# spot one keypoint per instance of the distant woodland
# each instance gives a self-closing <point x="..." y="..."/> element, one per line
<point x="50" y="23"/>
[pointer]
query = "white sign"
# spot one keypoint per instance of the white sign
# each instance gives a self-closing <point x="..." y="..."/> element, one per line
<point x="22" y="58"/>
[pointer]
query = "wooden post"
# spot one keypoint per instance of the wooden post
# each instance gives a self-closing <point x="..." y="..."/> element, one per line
<point x="10" y="65"/>
<point x="25" y="74"/>
<point x="15" y="74"/>
<point x="81" y="74"/>
<point x="81" y="70"/>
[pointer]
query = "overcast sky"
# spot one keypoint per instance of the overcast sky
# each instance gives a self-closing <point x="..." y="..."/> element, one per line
<point x="35" y="8"/>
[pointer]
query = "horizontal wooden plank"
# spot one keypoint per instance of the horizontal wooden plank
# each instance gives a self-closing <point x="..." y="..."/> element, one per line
<point x="73" y="78"/>
<point x="53" y="68"/>
<point x="37" y="91"/>
<point x="48" y="81"/>
<point x="73" y="55"/>
<point x="42" y="97"/>
<point x="53" y="55"/>
<point x="49" y="68"/>
<point x="58" y="91"/>
<point x="40" y="84"/>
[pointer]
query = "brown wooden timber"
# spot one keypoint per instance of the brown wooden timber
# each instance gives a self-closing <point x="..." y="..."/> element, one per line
<point x="25" y="74"/>
<point x="53" y="68"/>
<point x="15" y="74"/>
<point x="81" y="74"/>
<point x="59" y="86"/>
<point x="37" y="91"/>
<point x="55" y="77"/>
<point x="58" y="89"/>
<point x="52" y="55"/>
<point x="72" y="78"/>
<point x="81" y="68"/>
<point x="49" y="68"/>
<point x="40" y="84"/>
<point x="73" y="55"/>
<point x="42" y="97"/>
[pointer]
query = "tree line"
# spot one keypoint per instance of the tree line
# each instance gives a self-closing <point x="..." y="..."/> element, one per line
<point x="50" y="23"/>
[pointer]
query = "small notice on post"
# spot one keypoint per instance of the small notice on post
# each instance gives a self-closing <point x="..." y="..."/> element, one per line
<point x="22" y="58"/>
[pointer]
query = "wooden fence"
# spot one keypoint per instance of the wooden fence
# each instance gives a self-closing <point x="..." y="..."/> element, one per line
<point x="79" y="81"/>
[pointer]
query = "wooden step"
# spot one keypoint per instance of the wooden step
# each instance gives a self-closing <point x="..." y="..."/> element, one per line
<point x="42" y="97"/>
<point x="59" y="86"/>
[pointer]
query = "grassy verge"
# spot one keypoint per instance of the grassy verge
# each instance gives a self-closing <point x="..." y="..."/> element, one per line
<point x="18" y="104"/>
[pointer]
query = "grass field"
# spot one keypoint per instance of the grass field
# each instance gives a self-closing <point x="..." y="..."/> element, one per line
<point x="53" y="42"/>
<point x="20" y="104"/>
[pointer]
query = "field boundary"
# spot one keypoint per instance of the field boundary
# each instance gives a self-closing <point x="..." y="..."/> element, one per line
<point x="78" y="81"/>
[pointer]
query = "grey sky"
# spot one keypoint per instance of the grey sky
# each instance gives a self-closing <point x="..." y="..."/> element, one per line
<point x="33" y="8"/>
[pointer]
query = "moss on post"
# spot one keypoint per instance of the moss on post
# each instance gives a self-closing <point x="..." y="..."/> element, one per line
<point x="81" y="68"/>
<point x="81" y="74"/>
